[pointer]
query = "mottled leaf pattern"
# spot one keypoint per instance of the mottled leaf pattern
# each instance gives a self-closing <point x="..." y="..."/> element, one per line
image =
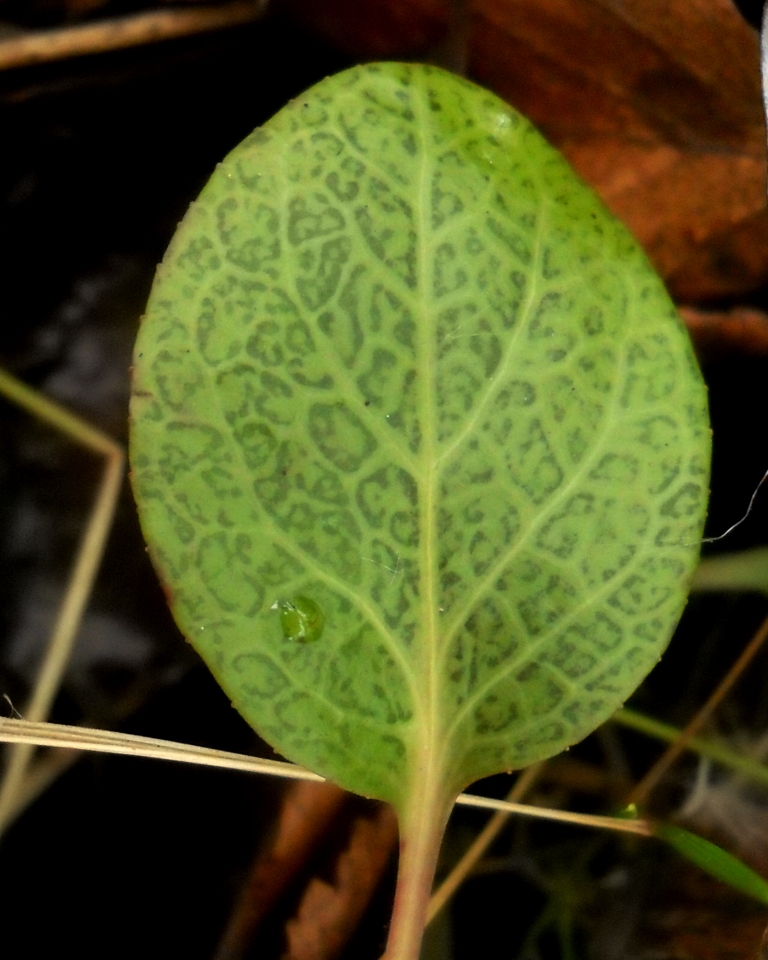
<point x="420" y="447"/>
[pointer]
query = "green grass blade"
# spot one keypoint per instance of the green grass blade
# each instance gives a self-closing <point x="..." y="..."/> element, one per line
<point x="743" y="571"/>
<point x="714" y="860"/>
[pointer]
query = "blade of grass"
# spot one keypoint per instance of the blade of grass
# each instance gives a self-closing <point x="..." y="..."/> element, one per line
<point x="706" y="748"/>
<point x="714" y="860"/>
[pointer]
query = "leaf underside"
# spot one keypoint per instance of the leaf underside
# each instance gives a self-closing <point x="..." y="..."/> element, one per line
<point x="419" y="445"/>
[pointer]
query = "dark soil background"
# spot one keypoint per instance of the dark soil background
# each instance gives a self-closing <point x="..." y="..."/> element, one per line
<point x="99" y="159"/>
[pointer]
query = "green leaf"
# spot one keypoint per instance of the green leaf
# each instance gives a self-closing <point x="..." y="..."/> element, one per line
<point x="714" y="860"/>
<point x="419" y="444"/>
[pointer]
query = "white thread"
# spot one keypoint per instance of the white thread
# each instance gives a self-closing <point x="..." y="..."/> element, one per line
<point x="378" y="563"/>
<point x="739" y="522"/>
<point x="15" y="715"/>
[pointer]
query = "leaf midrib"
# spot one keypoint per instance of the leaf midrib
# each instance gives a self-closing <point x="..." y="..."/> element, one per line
<point x="429" y="725"/>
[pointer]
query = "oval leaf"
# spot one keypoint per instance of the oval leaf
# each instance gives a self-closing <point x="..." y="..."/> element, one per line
<point x="405" y="390"/>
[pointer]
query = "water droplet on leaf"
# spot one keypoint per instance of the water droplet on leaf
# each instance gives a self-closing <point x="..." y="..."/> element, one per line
<point x="301" y="619"/>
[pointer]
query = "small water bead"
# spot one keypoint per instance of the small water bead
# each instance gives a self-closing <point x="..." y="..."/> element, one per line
<point x="301" y="619"/>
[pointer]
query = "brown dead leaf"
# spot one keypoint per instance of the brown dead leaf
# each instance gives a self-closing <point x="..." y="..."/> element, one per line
<point x="694" y="917"/>
<point x="655" y="102"/>
<point x="329" y="913"/>
<point x="386" y="29"/>
<point x="741" y="330"/>
<point x="307" y="812"/>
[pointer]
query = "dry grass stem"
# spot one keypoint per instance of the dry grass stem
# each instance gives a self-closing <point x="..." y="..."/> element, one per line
<point x="640" y="793"/>
<point x="137" y="30"/>
<point x="483" y="841"/>
<point x="105" y="741"/>
<point x="81" y="578"/>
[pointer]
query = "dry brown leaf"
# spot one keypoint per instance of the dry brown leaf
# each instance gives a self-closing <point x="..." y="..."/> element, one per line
<point x="741" y="330"/>
<point x="655" y="102"/>
<point x="385" y="29"/>
<point x="307" y="812"/>
<point x="330" y="912"/>
<point x="694" y="917"/>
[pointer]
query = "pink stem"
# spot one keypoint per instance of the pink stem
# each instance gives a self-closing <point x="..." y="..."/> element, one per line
<point x="421" y="832"/>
